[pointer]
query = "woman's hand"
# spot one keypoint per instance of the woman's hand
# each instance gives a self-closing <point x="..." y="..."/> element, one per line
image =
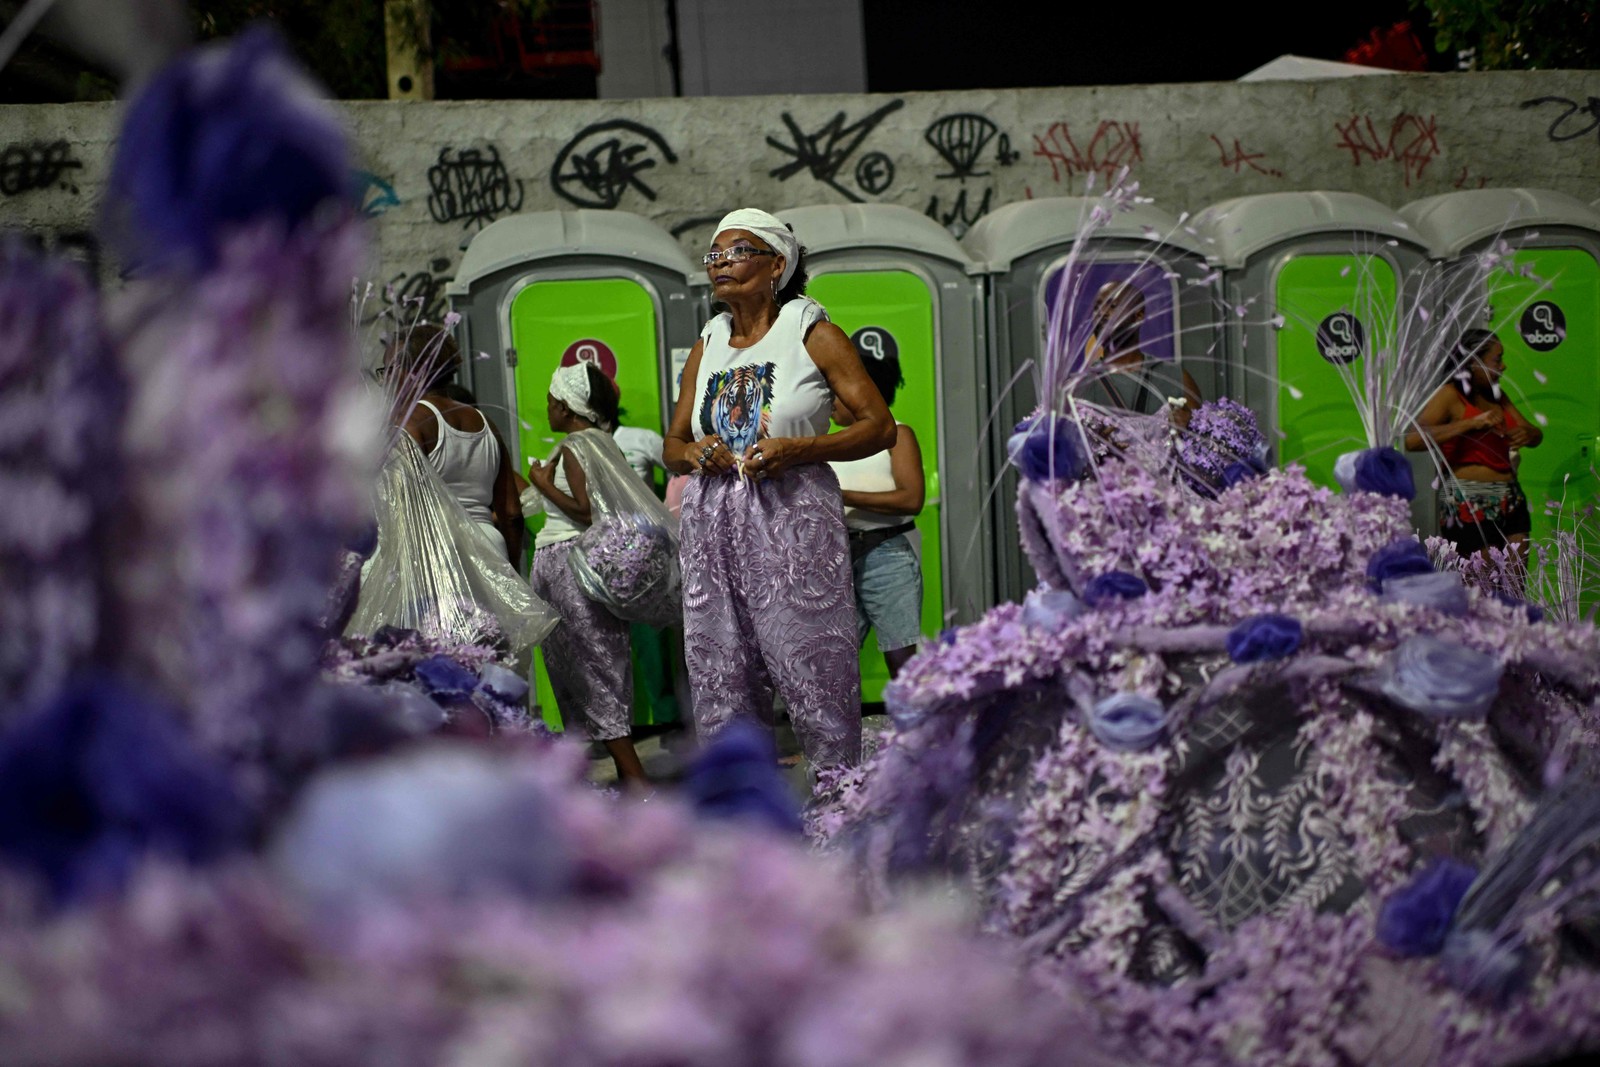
<point x="542" y="476"/>
<point x="711" y="456"/>
<point x="1490" y="419"/>
<point x="770" y="457"/>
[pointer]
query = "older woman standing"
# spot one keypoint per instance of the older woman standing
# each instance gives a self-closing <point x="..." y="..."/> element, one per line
<point x="767" y="597"/>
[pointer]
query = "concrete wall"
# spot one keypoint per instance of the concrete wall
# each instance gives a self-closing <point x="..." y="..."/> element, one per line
<point x="433" y="174"/>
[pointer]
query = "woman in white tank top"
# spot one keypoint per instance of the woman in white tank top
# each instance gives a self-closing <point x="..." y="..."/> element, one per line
<point x="460" y="443"/>
<point x="767" y="596"/>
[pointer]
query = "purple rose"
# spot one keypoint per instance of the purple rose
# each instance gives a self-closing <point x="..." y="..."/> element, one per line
<point x="1442" y="592"/>
<point x="1441" y="679"/>
<point x="444" y="679"/>
<point x="1415" y="920"/>
<point x="1048" y="448"/>
<point x="1235" y="473"/>
<point x="101" y="777"/>
<point x="737" y="776"/>
<point x="1127" y="722"/>
<point x="1114" y="585"/>
<point x="504" y="684"/>
<point x="1376" y="470"/>
<point x="1050" y="609"/>
<point x="225" y="136"/>
<point x="1535" y="612"/>
<point x="1398" y="559"/>
<point x="1265" y="637"/>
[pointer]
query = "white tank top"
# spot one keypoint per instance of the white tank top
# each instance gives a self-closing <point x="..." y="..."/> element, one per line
<point x="467" y="463"/>
<point x="871" y="475"/>
<point x="558" y="525"/>
<point x="770" y="389"/>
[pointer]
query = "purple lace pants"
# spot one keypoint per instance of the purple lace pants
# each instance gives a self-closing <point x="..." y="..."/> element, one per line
<point x="587" y="656"/>
<point x="768" y="603"/>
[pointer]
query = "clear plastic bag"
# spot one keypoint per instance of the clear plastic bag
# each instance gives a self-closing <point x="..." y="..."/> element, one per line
<point x="627" y="560"/>
<point x="437" y="571"/>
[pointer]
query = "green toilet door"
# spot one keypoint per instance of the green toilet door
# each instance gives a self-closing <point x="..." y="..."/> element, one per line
<point x="611" y="322"/>
<point x="1549" y="324"/>
<point x="1335" y="308"/>
<point x="898" y="304"/>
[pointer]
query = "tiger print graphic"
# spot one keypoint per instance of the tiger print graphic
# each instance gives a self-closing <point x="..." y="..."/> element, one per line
<point x="737" y="405"/>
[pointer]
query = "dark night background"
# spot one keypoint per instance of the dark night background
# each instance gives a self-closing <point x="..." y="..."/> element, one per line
<point x="1004" y="44"/>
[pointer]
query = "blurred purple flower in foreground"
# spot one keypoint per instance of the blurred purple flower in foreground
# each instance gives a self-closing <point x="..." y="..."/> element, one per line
<point x="225" y="137"/>
<point x="99" y="778"/>
<point x="1398" y="559"/>
<point x="1442" y="679"/>
<point x="736" y="776"/>
<point x="1265" y="637"/>
<point x="1415" y="920"/>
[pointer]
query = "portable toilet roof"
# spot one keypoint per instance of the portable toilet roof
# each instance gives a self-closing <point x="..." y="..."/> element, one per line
<point x="520" y="239"/>
<point x="1014" y="230"/>
<point x="831" y="227"/>
<point x="1241" y="227"/>
<point x="1453" y="222"/>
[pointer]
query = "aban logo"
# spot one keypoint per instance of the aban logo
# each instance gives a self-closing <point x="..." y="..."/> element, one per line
<point x="1341" y="338"/>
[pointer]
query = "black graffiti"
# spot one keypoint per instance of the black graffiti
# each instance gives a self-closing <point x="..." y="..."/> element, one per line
<point x="695" y="223"/>
<point x="1004" y="154"/>
<point x="422" y="292"/>
<point x="605" y="160"/>
<point x="960" y="215"/>
<point x="1590" y="110"/>
<point x="960" y="141"/>
<point x="37" y="165"/>
<point x="874" y="173"/>
<point x="471" y="184"/>
<point x="824" y="152"/>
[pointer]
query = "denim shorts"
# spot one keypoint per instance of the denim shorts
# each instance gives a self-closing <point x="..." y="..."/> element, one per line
<point x="889" y="594"/>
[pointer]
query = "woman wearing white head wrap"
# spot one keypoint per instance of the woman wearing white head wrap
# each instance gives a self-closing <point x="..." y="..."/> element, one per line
<point x="587" y="655"/>
<point x="767" y="589"/>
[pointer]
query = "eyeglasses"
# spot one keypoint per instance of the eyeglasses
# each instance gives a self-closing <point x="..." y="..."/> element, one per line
<point x="736" y="254"/>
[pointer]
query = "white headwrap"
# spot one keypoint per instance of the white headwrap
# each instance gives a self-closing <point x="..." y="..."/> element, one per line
<point x="570" y="385"/>
<point x="770" y="229"/>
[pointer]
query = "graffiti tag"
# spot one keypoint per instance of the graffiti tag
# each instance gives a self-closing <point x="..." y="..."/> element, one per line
<point x="959" y="215"/>
<point x="1237" y="159"/>
<point x="1588" y="114"/>
<point x="1412" y="141"/>
<point x="1113" y="145"/>
<point x="377" y="195"/>
<point x="605" y="160"/>
<point x="472" y="185"/>
<point x="827" y="150"/>
<point x="37" y="165"/>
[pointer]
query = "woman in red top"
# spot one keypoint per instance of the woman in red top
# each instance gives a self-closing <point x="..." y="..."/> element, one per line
<point x="1476" y="428"/>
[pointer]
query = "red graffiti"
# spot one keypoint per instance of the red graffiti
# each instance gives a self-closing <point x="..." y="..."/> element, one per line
<point x="1114" y="145"/>
<point x="1465" y="180"/>
<point x="1236" y="159"/>
<point x="1412" y="141"/>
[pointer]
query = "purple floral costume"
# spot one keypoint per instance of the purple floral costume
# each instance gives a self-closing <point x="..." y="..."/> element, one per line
<point x="768" y="602"/>
<point x="587" y="656"/>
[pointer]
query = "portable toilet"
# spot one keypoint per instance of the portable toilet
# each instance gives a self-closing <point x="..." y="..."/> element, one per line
<point x="899" y="285"/>
<point x="1025" y="251"/>
<point x="1312" y="283"/>
<point x="552" y="288"/>
<point x="1545" y="309"/>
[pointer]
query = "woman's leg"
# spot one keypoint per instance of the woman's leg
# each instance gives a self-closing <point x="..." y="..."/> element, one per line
<point x="797" y="581"/>
<point x="727" y="677"/>
<point x="588" y="658"/>
<point x="889" y="590"/>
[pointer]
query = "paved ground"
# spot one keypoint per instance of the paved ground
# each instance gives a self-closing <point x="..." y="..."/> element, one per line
<point x="665" y="753"/>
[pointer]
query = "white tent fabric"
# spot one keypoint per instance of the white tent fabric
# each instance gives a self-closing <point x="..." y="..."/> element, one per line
<point x="1302" y="68"/>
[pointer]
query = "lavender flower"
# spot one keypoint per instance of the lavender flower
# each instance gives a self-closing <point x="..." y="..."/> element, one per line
<point x="1127" y="722"/>
<point x="101" y="777"/>
<point x="1415" y="919"/>
<point x="225" y="137"/>
<point x="1222" y="437"/>
<point x="1443" y="592"/>
<point x="61" y="405"/>
<point x="1264" y="637"/>
<point x="1236" y="472"/>
<point x="736" y="776"/>
<point x="1114" y="585"/>
<point x="1442" y="679"/>
<point x="1398" y="559"/>
<point x="628" y="564"/>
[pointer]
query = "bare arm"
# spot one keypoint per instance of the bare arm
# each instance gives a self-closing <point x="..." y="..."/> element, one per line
<point x="1526" y="434"/>
<point x="872" y="431"/>
<point x="1438" y="420"/>
<point x="680" y="451"/>
<point x="507" y="503"/>
<point x="909" y="492"/>
<point x="575" y="505"/>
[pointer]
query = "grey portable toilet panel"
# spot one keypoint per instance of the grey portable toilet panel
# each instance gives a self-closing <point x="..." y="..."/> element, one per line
<point x="1545" y="310"/>
<point x="543" y="287"/>
<point x="1023" y="249"/>
<point x="1313" y="282"/>
<point x="894" y="280"/>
